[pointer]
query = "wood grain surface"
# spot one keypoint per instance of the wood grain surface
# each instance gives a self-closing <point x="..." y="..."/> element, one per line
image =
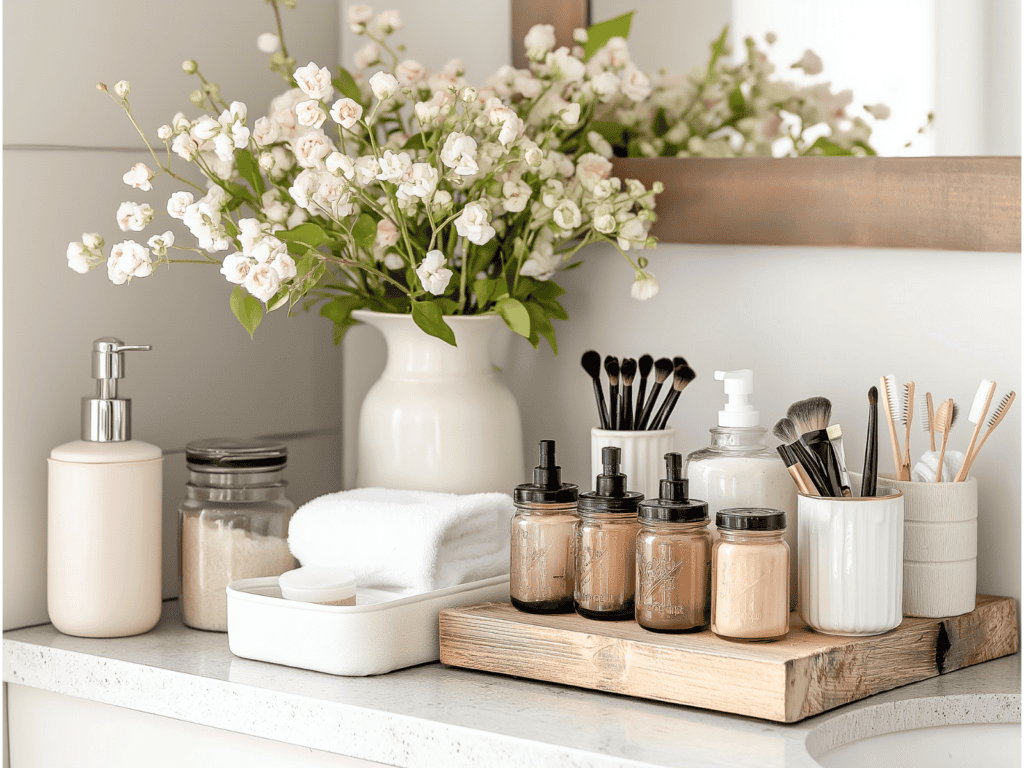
<point x="802" y="675"/>
<point x="939" y="203"/>
<point x="563" y="15"/>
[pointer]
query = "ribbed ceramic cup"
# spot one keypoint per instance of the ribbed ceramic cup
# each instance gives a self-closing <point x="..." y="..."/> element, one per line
<point x="851" y="562"/>
<point x="642" y="456"/>
<point x="940" y="547"/>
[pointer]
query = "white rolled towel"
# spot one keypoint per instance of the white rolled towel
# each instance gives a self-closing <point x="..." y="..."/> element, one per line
<point x="418" y="541"/>
<point x="926" y="469"/>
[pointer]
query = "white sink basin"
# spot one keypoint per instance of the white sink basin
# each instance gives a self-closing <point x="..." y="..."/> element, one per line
<point x="993" y="745"/>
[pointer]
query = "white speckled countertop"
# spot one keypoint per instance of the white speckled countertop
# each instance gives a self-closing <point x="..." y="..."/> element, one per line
<point x="440" y="716"/>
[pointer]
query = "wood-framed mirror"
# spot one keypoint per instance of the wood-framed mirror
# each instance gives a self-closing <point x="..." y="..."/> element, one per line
<point x="940" y="203"/>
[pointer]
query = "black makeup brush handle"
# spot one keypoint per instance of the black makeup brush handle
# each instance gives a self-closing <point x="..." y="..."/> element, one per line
<point x="869" y="483"/>
<point x="626" y="420"/>
<point x="602" y="408"/>
<point x="814" y="469"/>
<point x="822" y="450"/>
<point x="649" y="406"/>
<point x="658" y="422"/>
<point x="641" y="390"/>
<point x="613" y="397"/>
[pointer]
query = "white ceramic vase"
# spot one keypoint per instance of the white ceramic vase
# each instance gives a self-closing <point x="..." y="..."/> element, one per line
<point x="438" y="419"/>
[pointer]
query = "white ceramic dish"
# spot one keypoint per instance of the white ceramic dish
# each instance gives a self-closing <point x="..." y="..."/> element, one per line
<point x="382" y="632"/>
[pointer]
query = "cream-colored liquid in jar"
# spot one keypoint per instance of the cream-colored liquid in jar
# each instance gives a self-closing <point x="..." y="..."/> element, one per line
<point x="727" y="482"/>
<point x="749" y="590"/>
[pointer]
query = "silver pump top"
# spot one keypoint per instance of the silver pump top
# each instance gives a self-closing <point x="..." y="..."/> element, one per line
<point x="106" y="417"/>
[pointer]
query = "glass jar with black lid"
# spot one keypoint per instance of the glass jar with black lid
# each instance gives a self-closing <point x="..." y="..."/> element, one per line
<point x="233" y="523"/>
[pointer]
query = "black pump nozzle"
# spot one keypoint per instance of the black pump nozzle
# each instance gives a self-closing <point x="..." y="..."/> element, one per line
<point x="547" y="474"/>
<point x="674" y="487"/>
<point x="611" y="482"/>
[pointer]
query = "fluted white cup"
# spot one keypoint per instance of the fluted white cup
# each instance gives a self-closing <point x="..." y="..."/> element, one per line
<point x="642" y="456"/>
<point x="851" y="562"/>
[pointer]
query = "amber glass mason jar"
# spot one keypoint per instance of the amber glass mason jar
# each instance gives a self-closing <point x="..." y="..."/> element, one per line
<point x="542" y="569"/>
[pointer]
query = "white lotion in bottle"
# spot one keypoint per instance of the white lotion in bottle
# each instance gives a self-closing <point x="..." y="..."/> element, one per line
<point x="104" y="511"/>
<point x="739" y="470"/>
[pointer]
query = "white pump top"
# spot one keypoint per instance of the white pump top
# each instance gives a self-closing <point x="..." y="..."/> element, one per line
<point x="738" y="411"/>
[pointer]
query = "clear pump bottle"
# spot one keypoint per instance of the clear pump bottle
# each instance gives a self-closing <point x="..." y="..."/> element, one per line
<point x="738" y="469"/>
<point x="543" y="567"/>
<point x="104" y="515"/>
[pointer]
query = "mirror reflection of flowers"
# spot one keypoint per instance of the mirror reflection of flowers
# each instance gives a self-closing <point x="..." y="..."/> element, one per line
<point x="394" y="188"/>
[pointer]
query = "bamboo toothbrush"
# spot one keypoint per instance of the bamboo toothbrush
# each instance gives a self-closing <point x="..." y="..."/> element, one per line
<point x="681" y="377"/>
<point x="907" y="417"/>
<point x="979" y="408"/>
<point x="928" y="417"/>
<point x="891" y="403"/>
<point x="662" y="370"/>
<point x="628" y="371"/>
<point x="591" y="363"/>
<point x="645" y="364"/>
<point x="943" y="423"/>
<point x="611" y="367"/>
<point x="997" y="417"/>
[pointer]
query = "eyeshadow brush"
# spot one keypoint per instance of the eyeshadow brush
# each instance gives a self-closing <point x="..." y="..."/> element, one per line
<point x="786" y="431"/>
<point x="626" y="410"/>
<point x="645" y="364"/>
<point x="796" y="469"/>
<point x="611" y="367"/>
<point x="869" y="482"/>
<point x="681" y="377"/>
<point x="591" y="363"/>
<point x="811" y="417"/>
<point x="662" y="370"/>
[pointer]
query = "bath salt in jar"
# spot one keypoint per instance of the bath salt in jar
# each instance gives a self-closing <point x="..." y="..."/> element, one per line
<point x="233" y="523"/>
<point x="750" y="567"/>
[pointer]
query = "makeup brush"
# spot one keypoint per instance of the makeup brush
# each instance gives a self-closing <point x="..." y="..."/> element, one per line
<point x="869" y="482"/>
<point x="796" y="470"/>
<point x="677" y="361"/>
<point x="943" y="422"/>
<point x="681" y="377"/>
<point x="591" y="363"/>
<point x="927" y="417"/>
<point x="611" y="367"/>
<point x="662" y="370"/>
<point x="626" y="411"/>
<point x="811" y="417"/>
<point x="645" y="364"/>
<point x="997" y="417"/>
<point x="785" y="430"/>
<point x="982" y="400"/>
<point x="907" y="417"/>
<point x="891" y="404"/>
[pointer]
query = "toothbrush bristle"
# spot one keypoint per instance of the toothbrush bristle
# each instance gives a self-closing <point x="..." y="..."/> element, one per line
<point x="907" y="404"/>
<point x="922" y="408"/>
<point x="892" y="392"/>
<point x="942" y="417"/>
<point x="978" y="406"/>
<point x="1004" y="404"/>
<point x="952" y="418"/>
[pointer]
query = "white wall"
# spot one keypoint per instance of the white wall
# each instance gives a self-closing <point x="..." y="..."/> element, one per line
<point x="66" y="147"/>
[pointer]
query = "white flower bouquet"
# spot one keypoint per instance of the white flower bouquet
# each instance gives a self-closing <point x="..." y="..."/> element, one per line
<point x="730" y="109"/>
<point x="396" y="189"/>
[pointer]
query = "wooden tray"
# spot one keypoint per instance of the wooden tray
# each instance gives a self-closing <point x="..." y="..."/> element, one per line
<point x="786" y="681"/>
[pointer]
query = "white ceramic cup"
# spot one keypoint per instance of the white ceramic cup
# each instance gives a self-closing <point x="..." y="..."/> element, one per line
<point x="940" y="547"/>
<point x="851" y="562"/>
<point x="642" y="456"/>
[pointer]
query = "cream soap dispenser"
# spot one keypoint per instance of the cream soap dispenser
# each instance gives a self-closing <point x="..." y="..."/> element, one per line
<point x="738" y="469"/>
<point x="104" y="513"/>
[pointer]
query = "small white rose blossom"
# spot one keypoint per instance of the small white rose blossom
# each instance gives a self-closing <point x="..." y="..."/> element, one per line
<point x="539" y="40"/>
<point x="134" y="216"/>
<point x="542" y="263"/>
<point x="393" y="165"/>
<point x="310" y="114"/>
<point x="160" y="243"/>
<point x="127" y="260"/>
<point x="534" y="157"/>
<point x="387" y="234"/>
<point x="366" y="169"/>
<point x="164" y="132"/>
<point x="139" y="177"/>
<point x="571" y="114"/>
<point x="469" y="94"/>
<point x="878" y="111"/>
<point x="644" y="287"/>
<point x="604" y="219"/>
<point x="358" y="17"/>
<point x="78" y="258"/>
<point x="122" y="88"/>
<point x="92" y="241"/>
<point x="516" y="195"/>
<point x="580" y="35"/>
<point x="634" y="83"/>
<point x="268" y="42"/>
<point x="565" y="66"/>
<point x="314" y="81"/>
<point x="474" y="224"/>
<point x="267" y="249"/>
<point x="266" y="131"/>
<point x="177" y="204"/>
<point x="184" y="146"/>
<point x="311" y="147"/>
<point x="441" y="201"/>
<point x="284" y="265"/>
<point x="410" y="72"/>
<point x="419" y="180"/>
<point x="205" y="129"/>
<point x="600" y="143"/>
<point x="367" y="56"/>
<point x="604" y="85"/>
<point x="632" y="234"/>
<point x="383" y="85"/>
<point x="567" y="215"/>
<point x="346" y="112"/>
<point x="340" y="165"/>
<point x="592" y="168"/>
<point x="810" y="63"/>
<point x="459" y="154"/>
<point x="388" y="21"/>
<point x="393" y="261"/>
<point x="262" y="282"/>
<point x="433" y="274"/>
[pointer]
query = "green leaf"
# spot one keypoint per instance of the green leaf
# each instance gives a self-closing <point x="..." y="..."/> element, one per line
<point x="279" y="299"/>
<point x="613" y="133"/>
<point x="365" y="232"/>
<point x="829" y="148"/>
<point x="309" y="234"/>
<point x="541" y="325"/>
<point x="866" y="147"/>
<point x="250" y="170"/>
<point x="247" y="309"/>
<point x="718" y="47"/>
<point x="599" y="34"/>
<point x="416" y="141"/>
<point x="345" y="83"/>
<point x="661" y="125"/>
<point x="483" y="290"/>
<point x="736" y="101"/>
<point x="516" y="316"/>
<point x="428" y="316"/>
<point x="339" y="312"/>
<point x="547" y="290"/>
